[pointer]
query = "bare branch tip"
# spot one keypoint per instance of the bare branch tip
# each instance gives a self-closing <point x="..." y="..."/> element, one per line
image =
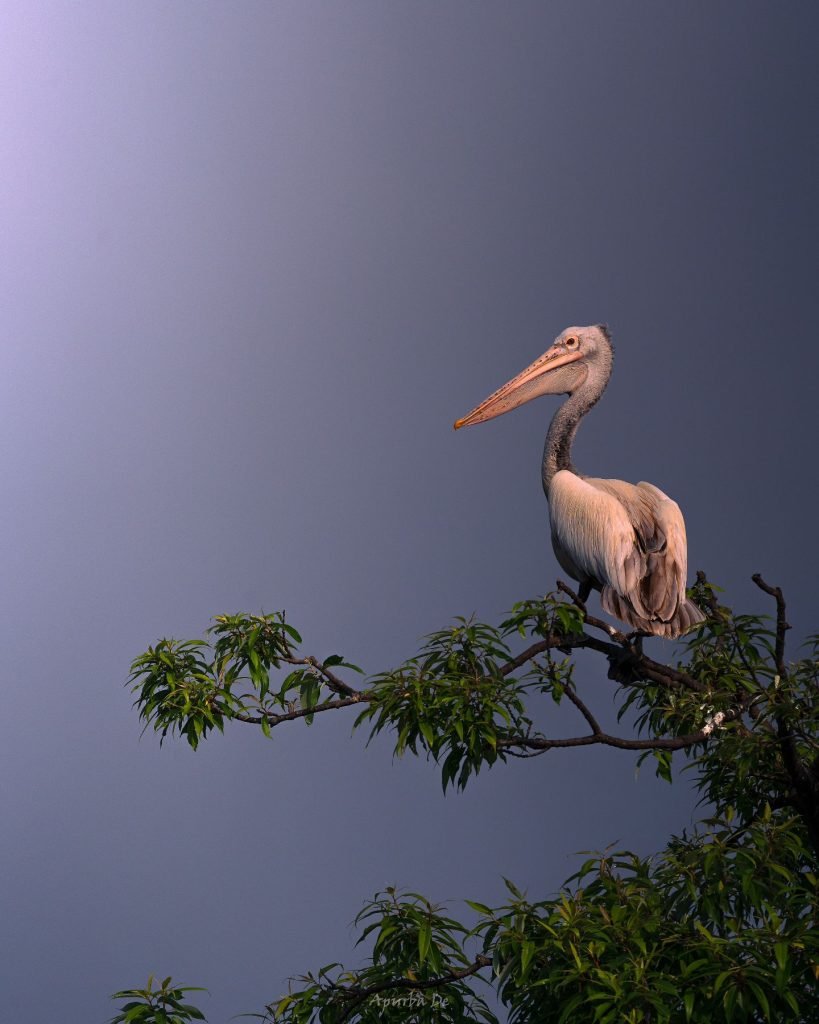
<point x="564" y="588"/>
<point x="760" y="582"/>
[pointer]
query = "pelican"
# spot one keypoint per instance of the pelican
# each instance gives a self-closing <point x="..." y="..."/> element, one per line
<point x="626" y="541"/>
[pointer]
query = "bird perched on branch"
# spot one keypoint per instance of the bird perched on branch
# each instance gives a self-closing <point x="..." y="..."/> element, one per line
<point x="626" y="541"/>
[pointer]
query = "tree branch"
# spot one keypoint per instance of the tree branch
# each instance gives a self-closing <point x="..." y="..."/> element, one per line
<point x="584" y="711"/>
<point x="549" y="643"/>
<point x="805" y="785"/>
<point x="625" y="651"/>
<point x="290" y="716"/>
<point x="615" y="634"/>
<point x="541" y="743"/>
<point x="333" y="682"/>
<point x="782" y="625"/>
<point x="358" y="995"/>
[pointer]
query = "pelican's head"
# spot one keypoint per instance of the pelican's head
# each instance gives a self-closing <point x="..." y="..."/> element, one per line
<point x="576" y="353"/>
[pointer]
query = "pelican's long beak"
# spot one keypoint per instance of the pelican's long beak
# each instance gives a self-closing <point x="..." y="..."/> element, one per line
<point x="533" y="381"/>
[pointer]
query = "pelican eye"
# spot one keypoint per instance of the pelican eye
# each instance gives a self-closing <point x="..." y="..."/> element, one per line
<point x="571" y="343"/>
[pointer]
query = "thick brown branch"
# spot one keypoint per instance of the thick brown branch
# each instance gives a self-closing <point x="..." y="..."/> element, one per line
<point x="782" y="625"/>
<point x="624" y="651"/>
<point x="559" y="642"/>
<point x="640" y="663"/>
<point x="660" y="673"/>
<point x="805" y="785"/>
<point x="550" y="642"/>
<point x="658" y="743"/>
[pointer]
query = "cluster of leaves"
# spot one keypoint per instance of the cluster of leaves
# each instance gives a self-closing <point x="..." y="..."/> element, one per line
<point x="753" y="763"/>
<point x="162" y="1005"/>
<point x="418" y="970"/>
<point x="192" y="687"/>
<point x="452" y="700"/>
<point x="722" y="926"/>
<point x="462" y="699"/>
<point x="458" y="700"/>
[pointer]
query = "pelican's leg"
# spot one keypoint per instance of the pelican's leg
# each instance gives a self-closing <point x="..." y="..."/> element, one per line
<point x="636" y="639"/>
<point x="584" y="590"/>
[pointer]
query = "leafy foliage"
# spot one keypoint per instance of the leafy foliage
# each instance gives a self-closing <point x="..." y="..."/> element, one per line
<point x="452" y="700"/>
<point x="162" y="1005"/>
<point x="414" y="948"/>
<point x="720" y="926"/>
<point x="457" y="700"/>
<point x="192" y="687"/>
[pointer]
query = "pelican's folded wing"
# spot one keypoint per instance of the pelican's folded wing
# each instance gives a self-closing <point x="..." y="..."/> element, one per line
<point x="595" y="531"/>
<point x="659" y="531"/>
<point x="630" y="540"/>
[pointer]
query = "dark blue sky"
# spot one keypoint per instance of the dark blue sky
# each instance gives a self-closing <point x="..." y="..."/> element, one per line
<point x="256" y="258"/>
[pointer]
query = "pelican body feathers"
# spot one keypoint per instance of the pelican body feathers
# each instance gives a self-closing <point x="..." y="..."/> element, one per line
<point x="629" y="543"/>
<point x="625" y="540"/>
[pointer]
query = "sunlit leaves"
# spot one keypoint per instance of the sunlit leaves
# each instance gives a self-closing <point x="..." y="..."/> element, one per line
<point x="549" y="616"/>
<point x="161" y="1005"/>
<point x="721" y="926"/>
<point x="177" y="691"/>
<point x="462" y="699"/>
<point x="252" y="643"/>
<point x="452" y="701"/>
<point x="191" y="687"/>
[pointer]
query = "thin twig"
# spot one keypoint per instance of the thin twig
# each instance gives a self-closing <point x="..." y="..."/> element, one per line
<point x="550" y="642"/>
<point x="782" y="625"/>
<point x="290" y="716"/>
<point x="584" y="711"/>
<point x="333" y="682"/>
<point x="615" y="634"/>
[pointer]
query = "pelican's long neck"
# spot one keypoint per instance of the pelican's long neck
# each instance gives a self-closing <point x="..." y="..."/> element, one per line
<point x="557" y="452"/>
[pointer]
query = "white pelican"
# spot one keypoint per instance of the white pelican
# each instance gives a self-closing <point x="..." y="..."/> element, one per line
<point x="626" y="541"/>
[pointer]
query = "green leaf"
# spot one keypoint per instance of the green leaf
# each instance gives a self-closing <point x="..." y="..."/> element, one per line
<point x="688" y="1001"/>
<point x="424" y="941"/>
<point x="761" y="998"/>
<point x="428" y="733"/>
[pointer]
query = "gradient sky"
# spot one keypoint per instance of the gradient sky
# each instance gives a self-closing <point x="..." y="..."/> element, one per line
<point x="256" y="258"/>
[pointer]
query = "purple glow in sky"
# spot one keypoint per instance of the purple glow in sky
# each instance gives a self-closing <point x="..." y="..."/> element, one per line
<point x="255" y="258"/>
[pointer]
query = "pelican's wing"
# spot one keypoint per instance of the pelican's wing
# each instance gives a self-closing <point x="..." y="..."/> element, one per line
<point x="594" y="529"/>
<point x="631" y="542"/>
<point x="659" y="532"/>
<point x="668" y="564"/>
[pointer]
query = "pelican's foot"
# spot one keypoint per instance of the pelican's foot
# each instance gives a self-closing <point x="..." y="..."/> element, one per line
<point x="636" y="639"/>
